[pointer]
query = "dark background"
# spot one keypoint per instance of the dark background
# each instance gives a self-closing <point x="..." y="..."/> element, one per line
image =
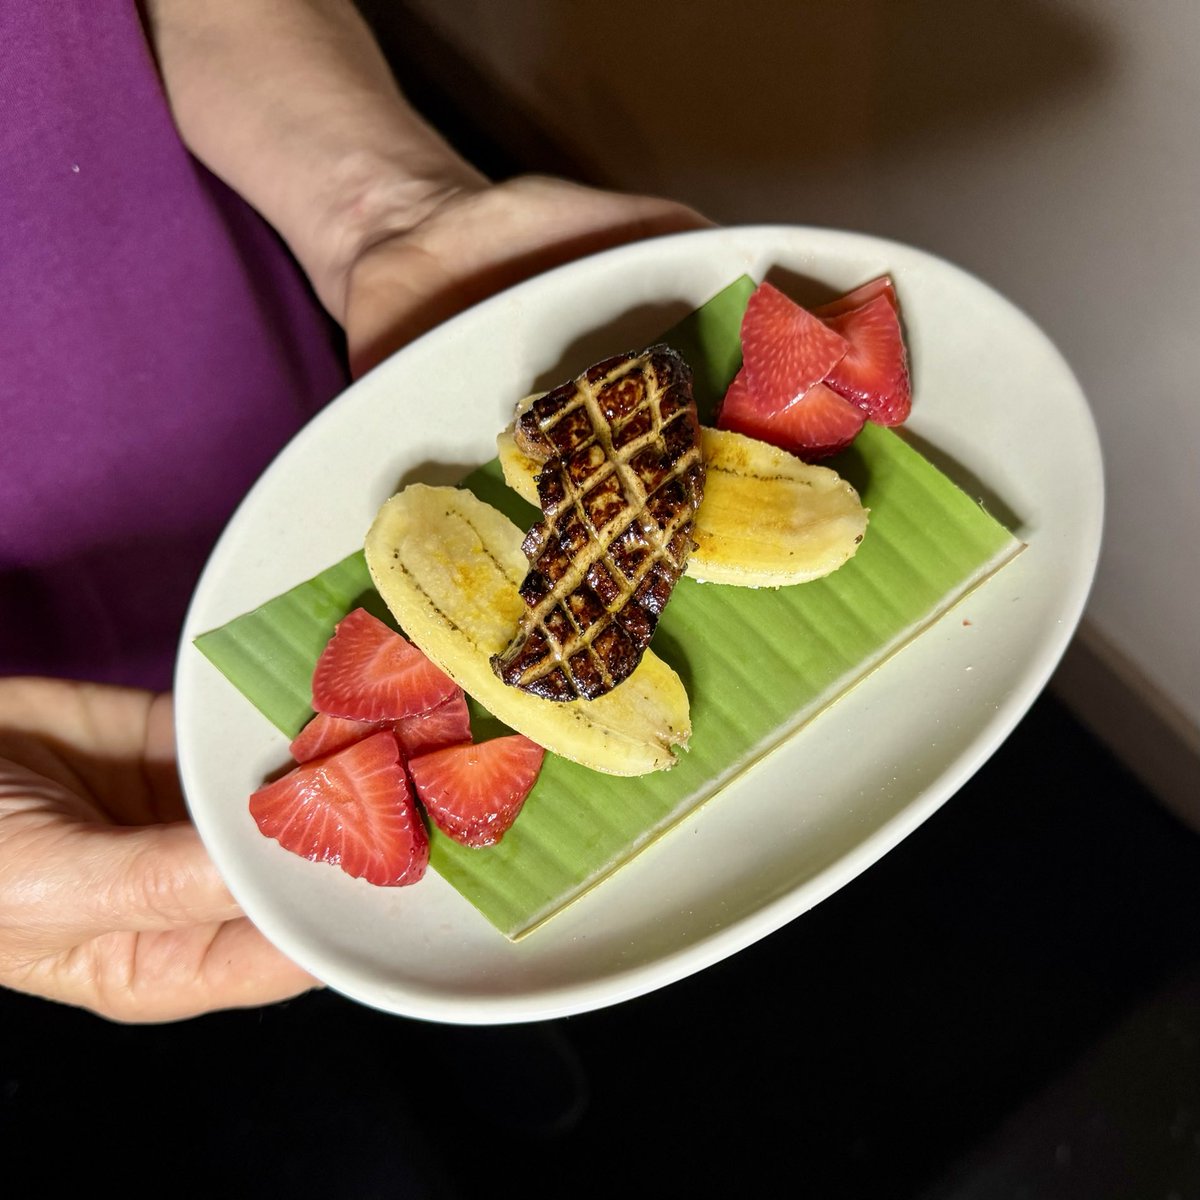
<point x="1006" y="1005"/>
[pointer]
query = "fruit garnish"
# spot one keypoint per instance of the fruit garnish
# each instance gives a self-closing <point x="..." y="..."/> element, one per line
<point x="785" y="351"/>
<point x="353" y="809"/>
<point x="369" y="672"/>
<point x="474" y="791"/>
<point x="868" y="379"/>
<point x="874" y="372"/>
<point x="863" y="294"/>
<point x="445" y="725"/>
<point x="773" y="520"/>
<point x="820" y="424"/>
<point x="325" y="734"/>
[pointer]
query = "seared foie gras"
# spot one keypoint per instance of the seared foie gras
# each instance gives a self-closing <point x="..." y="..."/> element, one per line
<point x="621" y="479"/>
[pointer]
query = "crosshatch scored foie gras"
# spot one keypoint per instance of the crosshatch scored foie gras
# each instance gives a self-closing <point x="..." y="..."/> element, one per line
<point x="622" y="476"/>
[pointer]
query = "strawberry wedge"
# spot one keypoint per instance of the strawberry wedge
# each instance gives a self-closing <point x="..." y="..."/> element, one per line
<point x="446" y="725"/>
<point x="353" y="809"/>
<point x="820" y="424"/>
<point x="785" y="350"/>
<point x="325" y="734"/>
<point x="874" y="372"/>
<point x="864" y="294"/>
<point x="474" y="792"/>
<point x="369" y="672"/>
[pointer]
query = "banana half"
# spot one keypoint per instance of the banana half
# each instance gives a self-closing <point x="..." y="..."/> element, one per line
<point x="448" y="566"/>
<point x="767" y="520"/>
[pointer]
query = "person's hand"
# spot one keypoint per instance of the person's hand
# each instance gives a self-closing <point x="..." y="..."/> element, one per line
<point x="108" y="900"/>
<point x="295" y="107"/>
<point x="476" y="241"/>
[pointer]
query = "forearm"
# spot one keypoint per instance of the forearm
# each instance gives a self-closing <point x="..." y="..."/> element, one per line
<point x="292" y="104"/>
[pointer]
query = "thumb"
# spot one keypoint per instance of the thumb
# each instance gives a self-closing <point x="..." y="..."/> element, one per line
<point x="83" y="881"/>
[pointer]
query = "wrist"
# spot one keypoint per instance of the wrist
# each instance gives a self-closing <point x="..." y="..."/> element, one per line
<point x="372" y="198"/>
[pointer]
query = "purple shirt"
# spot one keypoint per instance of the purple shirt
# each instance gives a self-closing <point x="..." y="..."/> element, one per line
<point x="157" y="348"/>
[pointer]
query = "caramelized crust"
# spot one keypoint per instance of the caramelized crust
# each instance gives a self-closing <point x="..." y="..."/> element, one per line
<point x="621" y="481"/>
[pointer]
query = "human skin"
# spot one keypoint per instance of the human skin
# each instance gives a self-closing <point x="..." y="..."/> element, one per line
<point x="107" y="898"/>
<point x="292" y="104"/>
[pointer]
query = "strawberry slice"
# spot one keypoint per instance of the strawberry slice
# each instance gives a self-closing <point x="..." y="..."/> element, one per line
<point x="352" y="808"/>
<point x="785" y="350"/>
<point x="473" y="792"/>
<point x="325" y="734"/>
<point x="446" y="725"/>
<point x="874" y="372"/>
<point x="864" y="294"/>
<point x="820" y="424"/>
<point x="368" y="672"/>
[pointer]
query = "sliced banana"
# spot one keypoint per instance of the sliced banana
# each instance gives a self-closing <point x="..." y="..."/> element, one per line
<point x="520" y="469"/>
<point x="448" y="566"/>
<point x="767" y="520"/>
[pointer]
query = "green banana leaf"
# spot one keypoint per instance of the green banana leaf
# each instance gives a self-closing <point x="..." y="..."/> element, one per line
<point x="757" y="664"/>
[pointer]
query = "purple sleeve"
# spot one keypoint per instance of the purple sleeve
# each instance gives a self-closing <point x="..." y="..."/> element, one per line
<point x="159" y="346"/>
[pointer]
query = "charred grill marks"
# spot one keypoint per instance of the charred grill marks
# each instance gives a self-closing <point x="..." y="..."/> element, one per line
<point x="621" y="481"/>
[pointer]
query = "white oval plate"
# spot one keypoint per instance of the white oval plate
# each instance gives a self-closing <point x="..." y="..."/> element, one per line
<point x="991" y="394"/>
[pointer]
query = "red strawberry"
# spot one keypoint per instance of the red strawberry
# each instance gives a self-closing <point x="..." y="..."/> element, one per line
<point x="473" y="792"/>
<point x="446" y="725"/>
<point x="325" y="734"/>
<point x="737" y="401"/>
<point x="353" y="809"/>
<point x="874" y="372"/>
<point x="368" y="672"/>
<point x="785" y="350"/>
<point x="821" y="424"/>
<point x="861" y="295"/>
